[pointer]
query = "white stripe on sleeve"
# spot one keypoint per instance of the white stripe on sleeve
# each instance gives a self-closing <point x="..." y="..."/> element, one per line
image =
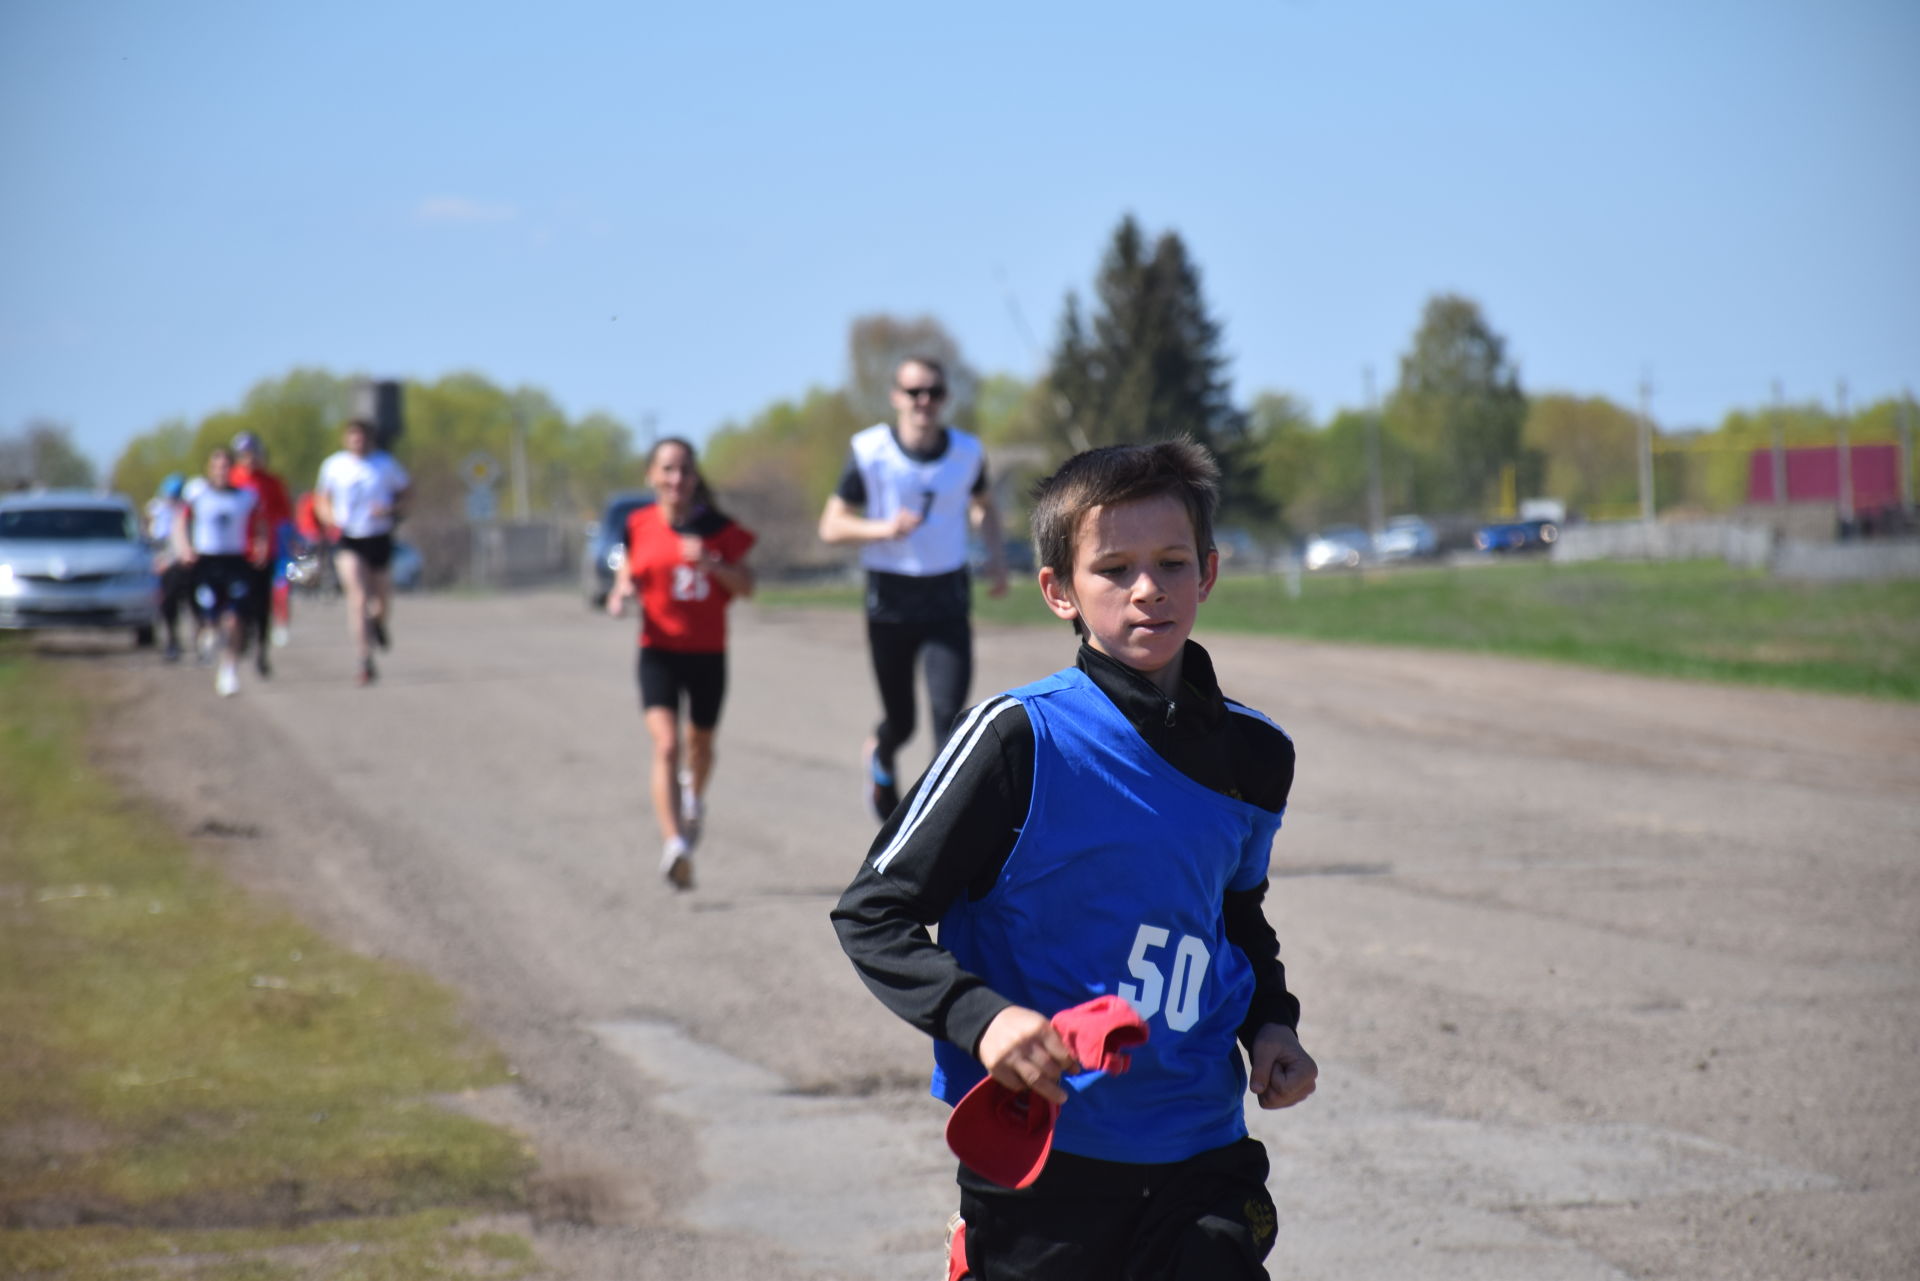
<point x="941" y="773"/>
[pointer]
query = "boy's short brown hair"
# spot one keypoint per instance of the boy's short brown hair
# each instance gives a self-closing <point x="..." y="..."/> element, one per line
<point x="1122" y="474"/>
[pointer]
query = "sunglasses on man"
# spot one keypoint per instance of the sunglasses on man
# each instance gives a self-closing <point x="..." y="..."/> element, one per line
<point x="932" y="391"/>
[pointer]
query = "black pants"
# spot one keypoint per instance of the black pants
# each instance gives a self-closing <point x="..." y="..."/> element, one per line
<point x="945" y="648"/>
<point x="1208" y="1218"/>
<point x="176" y="589"/>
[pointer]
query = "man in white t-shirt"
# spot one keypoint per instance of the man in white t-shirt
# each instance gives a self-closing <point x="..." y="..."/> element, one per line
<point x="362" y="492"/>
<point x="910" y="492"/>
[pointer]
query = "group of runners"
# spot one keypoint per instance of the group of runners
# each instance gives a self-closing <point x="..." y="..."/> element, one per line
<point x="225" y="539"/>
<point x="1104" y="832"/>
<point x="909" y="497"/>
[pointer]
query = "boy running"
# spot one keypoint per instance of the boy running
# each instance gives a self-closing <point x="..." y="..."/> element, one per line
<point x="1105" y="830"/>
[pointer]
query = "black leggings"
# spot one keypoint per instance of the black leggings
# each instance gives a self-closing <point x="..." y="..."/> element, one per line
<point x="945" y="647"/>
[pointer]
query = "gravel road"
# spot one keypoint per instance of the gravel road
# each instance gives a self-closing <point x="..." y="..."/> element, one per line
<point x="1607" y="977"/>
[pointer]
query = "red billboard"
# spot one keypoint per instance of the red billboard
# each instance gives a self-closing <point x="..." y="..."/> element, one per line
<point x="1813" y="475"/>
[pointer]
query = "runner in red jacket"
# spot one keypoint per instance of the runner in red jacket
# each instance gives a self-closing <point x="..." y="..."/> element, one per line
<point x="686" y="560"/>
<point x="269" y="614"/>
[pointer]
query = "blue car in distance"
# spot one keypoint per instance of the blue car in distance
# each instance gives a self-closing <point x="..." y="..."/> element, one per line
<point x="1517" y="536"/>
<point x="604" y="553"/>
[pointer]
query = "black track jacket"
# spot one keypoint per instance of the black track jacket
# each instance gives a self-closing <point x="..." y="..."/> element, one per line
<point x="981" y="788"/>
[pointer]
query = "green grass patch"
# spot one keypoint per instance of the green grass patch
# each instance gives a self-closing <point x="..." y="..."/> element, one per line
<point x="409" y="1247"/>
<point x="177" y="1061"/>
<point x="1697" y="619"/>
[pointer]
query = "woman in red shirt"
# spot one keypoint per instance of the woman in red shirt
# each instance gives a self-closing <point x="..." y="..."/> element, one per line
<point x="686" y="561"/>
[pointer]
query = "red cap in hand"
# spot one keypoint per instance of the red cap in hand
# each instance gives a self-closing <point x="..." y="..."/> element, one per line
<point x="1006" y="1135"/>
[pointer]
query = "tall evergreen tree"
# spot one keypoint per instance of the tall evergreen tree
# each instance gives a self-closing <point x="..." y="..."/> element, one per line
<point x="1148" y="364"/>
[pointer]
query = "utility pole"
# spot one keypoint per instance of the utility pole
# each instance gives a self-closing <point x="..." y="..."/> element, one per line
<point x="1376" y="502"/>
<point x="518" y="460"/>
<point x="1845" y="458"/>
<point x="1779" y="447"/>
<point x="1906" y="453"/>
<point x="1646" y="451"/>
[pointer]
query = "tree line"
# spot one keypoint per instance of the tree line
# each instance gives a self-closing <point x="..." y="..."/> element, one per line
<point x="1141" y="358"/>
<point x="450" y="424"/>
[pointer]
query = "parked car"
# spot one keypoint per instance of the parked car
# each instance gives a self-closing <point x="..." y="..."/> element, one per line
<point x="1238" y="549"/>
<point x="310" y="569"/>
<point x="1339" y="547"/>
<point x="406" y="567"/>
<point x="75" y="559"/>
<point x="1407" y="538"/>
<point x="605" y="553"/>
<point x="1517" y="536"/>
<point x="1018" y="554"/>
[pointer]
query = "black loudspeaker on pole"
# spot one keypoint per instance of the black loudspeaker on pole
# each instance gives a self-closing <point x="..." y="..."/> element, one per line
<point x="378" y="401"/>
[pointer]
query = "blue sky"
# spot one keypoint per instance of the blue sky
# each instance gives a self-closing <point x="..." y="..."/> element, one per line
<point x="676" y="210"/>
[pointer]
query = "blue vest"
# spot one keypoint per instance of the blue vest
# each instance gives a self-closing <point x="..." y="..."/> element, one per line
<point x="1115" y="884"/>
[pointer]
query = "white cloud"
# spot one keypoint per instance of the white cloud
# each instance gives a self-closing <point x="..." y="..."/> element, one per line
<point x="461" y="209"/>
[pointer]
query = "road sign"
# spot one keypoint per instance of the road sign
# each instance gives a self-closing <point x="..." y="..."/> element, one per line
<point x="479" y="470"/>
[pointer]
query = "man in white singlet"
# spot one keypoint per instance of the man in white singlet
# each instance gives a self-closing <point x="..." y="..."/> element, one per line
<point x="909" y="494"/>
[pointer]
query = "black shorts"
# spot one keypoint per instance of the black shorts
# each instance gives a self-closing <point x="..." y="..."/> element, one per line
<point x="666" y="674"/>
<point x="1208" y="1218"/>
<point x="375" y="550"/>
<point x="221" y="584"/>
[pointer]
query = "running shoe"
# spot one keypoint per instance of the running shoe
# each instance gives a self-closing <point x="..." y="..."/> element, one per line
<point x="171" y="654"/>
<point x="377" y="628"/>
<point x="281" y="635"/>
<point x="227" y="683"/>
<point x="878" y="790"/>
<point x="367" y="675"/>
<point x="676" y="864"/>
<point x="260" y="663"/>
<point x="692" y="812"/>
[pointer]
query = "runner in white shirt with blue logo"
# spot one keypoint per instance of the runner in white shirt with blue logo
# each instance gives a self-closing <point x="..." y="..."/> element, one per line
<point x="362" y="492"/>
<point x="223" y="538"/>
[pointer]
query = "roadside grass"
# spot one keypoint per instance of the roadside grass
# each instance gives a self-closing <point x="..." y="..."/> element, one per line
<point x="1699" y="620"/>
<point x="195" y="1086"/>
